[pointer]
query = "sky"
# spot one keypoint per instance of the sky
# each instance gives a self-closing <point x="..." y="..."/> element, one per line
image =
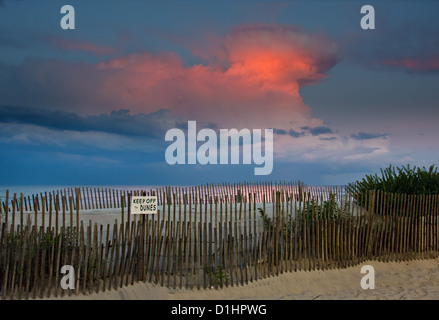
<point x="92" y="105"/>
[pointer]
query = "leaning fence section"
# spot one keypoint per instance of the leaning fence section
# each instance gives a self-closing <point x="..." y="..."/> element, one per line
<point x="209" y="240"/>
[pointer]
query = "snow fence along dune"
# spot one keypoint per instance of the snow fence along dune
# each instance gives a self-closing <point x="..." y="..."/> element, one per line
<point x="211" y="236"/>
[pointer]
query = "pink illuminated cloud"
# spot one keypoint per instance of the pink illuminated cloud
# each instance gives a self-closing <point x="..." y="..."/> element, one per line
<point x="250" y="78"/>
<point x="257" y="79"/>
<point x="78" y="45"/>
<point x="418" y="64"/>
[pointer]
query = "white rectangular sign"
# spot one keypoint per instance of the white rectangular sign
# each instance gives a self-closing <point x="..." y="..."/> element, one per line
<point x="144" y="205"/>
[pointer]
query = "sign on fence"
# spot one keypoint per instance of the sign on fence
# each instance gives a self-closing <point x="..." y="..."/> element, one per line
<point x="144" y="205"/>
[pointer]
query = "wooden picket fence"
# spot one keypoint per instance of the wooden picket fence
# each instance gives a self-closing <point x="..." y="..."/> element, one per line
<point x="96" y="198"/>
<point x="210" y="240"/>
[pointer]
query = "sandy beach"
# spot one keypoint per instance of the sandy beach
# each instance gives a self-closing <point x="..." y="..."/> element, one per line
<point x="410" y="280"/>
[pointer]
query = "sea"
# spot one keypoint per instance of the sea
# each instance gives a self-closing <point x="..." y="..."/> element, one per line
<point x="33" y="190"/>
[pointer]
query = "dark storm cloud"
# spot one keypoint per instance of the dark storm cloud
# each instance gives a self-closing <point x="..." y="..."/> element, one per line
<point x="291" y="132"/>
<point x="295" y="134"/>
<point x="367" y="136"/>
<point x="316" y="131"/>
<point x="280" y="132"/>
<point x="120" y="122"/>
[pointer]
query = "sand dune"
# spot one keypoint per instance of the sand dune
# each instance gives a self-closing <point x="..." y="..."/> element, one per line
<point x="417" y="279"/>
